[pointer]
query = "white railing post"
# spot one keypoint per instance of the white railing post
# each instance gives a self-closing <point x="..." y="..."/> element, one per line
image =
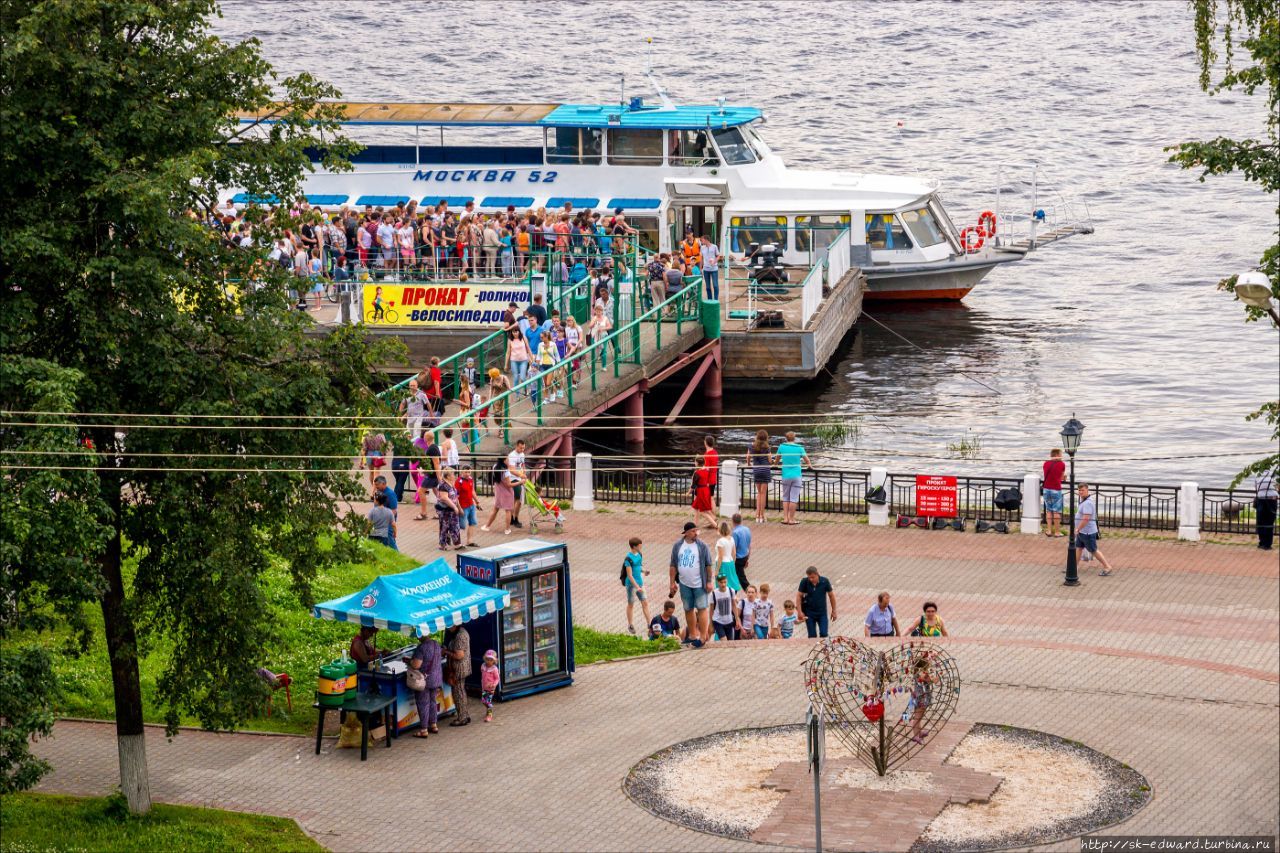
<point x="730" y="490"/>
<point x="810" y="295"/>
<point x="878" y="514"/>
<point x="583" y="489"/>
<point x="1031" y="504"/>
<point x="1189" y="511"/>
<point x="839" y="257"/>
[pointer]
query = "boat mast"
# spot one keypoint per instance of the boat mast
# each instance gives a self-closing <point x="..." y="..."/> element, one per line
<point x="667" y="103"/>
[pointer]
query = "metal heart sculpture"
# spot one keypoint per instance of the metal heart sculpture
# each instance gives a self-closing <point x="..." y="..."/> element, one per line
<point x="885" y="704"/>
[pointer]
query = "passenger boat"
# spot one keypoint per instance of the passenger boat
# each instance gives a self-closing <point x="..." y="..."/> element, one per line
<point x="669" y="168"/>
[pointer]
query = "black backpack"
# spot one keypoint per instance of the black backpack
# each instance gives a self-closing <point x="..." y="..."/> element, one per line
<point x="626" y="570"/>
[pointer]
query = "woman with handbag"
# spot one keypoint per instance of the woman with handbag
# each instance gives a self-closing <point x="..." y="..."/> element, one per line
<point x="930" y="624"/>
<point x="447" y="511"/>
<point x="425" y="677"/>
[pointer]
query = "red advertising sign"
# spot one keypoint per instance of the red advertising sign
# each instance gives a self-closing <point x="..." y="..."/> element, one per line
<point x="936" y="496"/>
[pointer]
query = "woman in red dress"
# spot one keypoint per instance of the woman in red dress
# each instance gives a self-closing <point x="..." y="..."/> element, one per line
<point x="700" y="489"/>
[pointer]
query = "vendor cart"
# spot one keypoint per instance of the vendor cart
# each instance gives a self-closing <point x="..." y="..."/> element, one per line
<point x="416" y="603"/>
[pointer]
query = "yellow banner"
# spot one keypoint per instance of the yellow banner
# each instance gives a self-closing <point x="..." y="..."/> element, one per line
<point x="434" y="305"/>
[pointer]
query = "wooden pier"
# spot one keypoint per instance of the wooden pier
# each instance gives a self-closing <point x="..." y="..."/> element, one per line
<point x="756" y="355"/>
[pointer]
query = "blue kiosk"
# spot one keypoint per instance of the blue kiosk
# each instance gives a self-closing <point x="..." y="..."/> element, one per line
<point x="533" y="634"/>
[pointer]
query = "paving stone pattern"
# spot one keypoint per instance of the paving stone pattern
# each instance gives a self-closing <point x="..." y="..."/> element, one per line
<point x="1169" y="666"/>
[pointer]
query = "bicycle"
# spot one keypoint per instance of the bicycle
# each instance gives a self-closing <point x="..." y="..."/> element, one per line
<point x="387" y="316"/>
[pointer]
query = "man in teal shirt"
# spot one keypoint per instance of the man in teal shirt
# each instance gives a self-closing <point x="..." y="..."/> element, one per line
<point x="792" y="457"/>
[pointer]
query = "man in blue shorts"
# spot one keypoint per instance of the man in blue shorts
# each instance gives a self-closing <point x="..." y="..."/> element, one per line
<point x="1086" y="530"/>
<point x="691" y="575"/>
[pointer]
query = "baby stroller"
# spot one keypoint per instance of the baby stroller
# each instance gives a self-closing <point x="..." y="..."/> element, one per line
<point x="540" y="509"/>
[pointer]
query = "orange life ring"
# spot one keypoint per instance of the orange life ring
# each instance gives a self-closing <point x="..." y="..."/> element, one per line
<point x="987" y="221"/>
<point x="980" y="237"/>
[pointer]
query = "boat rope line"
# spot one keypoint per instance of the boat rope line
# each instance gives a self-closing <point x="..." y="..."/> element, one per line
<point x="922" y="349"/>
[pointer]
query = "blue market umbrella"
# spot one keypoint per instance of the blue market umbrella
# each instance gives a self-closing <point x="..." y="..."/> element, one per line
<point x="422" y="601"/>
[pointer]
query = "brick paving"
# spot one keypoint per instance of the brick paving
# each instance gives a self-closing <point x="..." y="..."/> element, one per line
<point x="1169" y="666"/>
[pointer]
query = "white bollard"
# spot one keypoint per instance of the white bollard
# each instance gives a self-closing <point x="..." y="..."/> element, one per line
<point x="583" y="489"/>
<point x="1031" y="504"/>
<point x="1189" y="512"/>
<point x="878" y="514"/>
<point x="730" y="490"/>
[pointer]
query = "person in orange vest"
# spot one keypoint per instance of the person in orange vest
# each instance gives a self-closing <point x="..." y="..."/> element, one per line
<point x="690" y="249"/>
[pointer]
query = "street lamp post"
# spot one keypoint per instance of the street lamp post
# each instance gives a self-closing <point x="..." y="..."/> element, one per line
<point x="1071" y="433"/>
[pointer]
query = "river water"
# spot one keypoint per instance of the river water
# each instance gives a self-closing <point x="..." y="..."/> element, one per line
<point x="1123" y="328"/>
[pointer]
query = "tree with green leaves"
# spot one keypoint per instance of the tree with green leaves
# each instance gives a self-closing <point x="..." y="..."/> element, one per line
<point x="1222" y="27"/>
<point x="167" y="434"/>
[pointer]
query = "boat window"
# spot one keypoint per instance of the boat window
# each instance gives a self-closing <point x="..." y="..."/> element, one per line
<point x="884" y="231"/>
<point x="746" y="230"/>
<point x="648" y="228"/>
<point x="818" y="231"/>
<point x="691" y="148"/>
<point x="579" y="145"/>
<point x="734" y="147"/>
<point x="635" y="147"/>
<point x="923" y="227"/>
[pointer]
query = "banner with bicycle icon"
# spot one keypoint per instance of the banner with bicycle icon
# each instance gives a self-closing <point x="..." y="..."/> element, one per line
<point x="460" y="304"/>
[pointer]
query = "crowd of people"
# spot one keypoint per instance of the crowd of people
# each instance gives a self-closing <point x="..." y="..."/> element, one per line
<point x="432" y="242"/>
<point x="407" y="238"/>
<point x="709" y="585"/>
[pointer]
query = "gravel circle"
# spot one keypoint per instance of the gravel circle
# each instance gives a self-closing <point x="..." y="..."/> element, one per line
<point x="1123" y="791"/>
<point x="647" y="785"/>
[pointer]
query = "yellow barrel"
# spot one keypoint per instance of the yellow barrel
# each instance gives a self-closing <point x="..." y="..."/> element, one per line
<point x="331" y="685"/>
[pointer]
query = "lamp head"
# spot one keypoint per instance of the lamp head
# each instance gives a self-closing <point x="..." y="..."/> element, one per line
<point x="1253" y="288"/>
<point x="1071" y="433"/>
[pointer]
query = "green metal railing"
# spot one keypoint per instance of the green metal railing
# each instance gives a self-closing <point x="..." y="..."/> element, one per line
<point x="563" y="295"/>
<point x="626" y="344"/>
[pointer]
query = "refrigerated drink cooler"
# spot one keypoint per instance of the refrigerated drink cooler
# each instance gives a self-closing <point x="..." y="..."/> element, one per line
<point x="533" y="635"/>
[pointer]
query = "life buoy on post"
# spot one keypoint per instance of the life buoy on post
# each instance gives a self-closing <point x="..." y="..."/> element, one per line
<point x="987" y="222"/>
<point x="972" y="237"/>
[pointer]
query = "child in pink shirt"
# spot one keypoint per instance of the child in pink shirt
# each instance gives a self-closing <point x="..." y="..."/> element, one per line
<point x="490" y="677"/>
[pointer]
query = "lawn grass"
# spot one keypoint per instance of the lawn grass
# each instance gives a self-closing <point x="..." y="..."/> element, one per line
<point x="41" y="822"/>
<point x="303" y="644"/>
<point x="590" y="645"/>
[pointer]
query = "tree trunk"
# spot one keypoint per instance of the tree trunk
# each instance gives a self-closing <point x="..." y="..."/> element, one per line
<point x="122" y="649"/>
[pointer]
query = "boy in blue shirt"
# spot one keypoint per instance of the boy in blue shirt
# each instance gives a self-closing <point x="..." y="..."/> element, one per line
<point x="634" y="566"/>
<point x="666" y="625"/>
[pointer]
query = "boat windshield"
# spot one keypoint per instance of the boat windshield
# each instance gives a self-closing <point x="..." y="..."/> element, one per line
<point x="923" y="227"/>
<point x="884" y="231"/>
<point x="734" y="147"/>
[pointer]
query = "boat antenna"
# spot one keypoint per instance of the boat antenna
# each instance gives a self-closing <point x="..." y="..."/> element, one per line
<point x="623" y="98"/>
<point x="667" y="104"/>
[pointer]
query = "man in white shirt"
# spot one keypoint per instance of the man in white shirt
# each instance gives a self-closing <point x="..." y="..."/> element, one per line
<point x="414" y="407"/>
<point x="387" y="241"/>
<point x="709" y="260"/>
<point x="515" y="464"/>
<point x="690" y="573"/>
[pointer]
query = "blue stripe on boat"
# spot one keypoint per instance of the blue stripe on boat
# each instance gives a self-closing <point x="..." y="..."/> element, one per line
<point x="636" y="203"/>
